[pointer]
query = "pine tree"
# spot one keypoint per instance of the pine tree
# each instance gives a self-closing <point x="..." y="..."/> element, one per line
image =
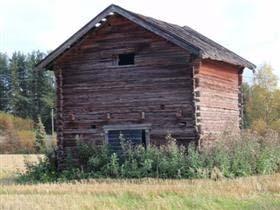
<point x="4" y="82"/>
<point x="24" y="91"/>
<point x="19" y="100"/>
<point x="42" y="90"/>
<point x="40" y="144"/>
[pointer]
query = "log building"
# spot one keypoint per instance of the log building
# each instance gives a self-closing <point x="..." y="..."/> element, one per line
<point x="127" y="73"/>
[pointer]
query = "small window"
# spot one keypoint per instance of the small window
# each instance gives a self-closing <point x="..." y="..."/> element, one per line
<point x="126" y="59"/>
<point x="135" y="137"/>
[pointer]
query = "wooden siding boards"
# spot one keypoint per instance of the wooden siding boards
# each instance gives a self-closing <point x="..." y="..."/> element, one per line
<point x="59" y="116"/>
<point x="219" y="88"/>
<point x="94" y="86"/>
<point x="182" y="82"/>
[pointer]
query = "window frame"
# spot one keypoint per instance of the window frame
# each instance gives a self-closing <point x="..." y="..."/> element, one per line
<point x="116" y="59"/>
<point x="144" y="127"/>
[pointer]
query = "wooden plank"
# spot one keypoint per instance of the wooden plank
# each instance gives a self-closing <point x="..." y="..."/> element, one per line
<point x="159" y="85"/>
<point x="218" y="101"/>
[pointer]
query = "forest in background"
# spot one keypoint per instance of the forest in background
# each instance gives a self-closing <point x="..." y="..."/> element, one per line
<point x="261" y="103"/>
<point x="25" y="92"/>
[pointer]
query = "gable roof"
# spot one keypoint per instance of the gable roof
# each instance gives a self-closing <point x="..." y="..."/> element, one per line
<point x="184" y="37"/>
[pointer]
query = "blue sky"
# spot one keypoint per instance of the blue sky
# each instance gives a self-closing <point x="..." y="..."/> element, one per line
<point x="250" y="28"/>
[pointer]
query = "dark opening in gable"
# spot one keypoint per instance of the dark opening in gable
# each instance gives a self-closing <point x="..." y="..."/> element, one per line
<point x="126" y="59"/>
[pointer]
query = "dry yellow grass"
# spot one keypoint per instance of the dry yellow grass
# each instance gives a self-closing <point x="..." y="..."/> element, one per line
<point x="10" y="165"/>
<point x="13" y="163"/>
<point x="259" y="192"/>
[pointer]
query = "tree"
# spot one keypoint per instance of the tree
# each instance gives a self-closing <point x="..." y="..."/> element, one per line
<point x="19" y="100"/>
<point x="24" y="91"/>
<point x="246" y="90"/>
<point x="262" y="104"/>
<point x="4" y="82"/>
<point x="265" y="78"/>
<point x="42" y="90"/>
<point x="41" y="137"/>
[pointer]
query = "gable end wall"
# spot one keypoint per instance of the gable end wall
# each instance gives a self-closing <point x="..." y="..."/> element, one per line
<point x="218" y="94"/>
<point x="91" y="87"/>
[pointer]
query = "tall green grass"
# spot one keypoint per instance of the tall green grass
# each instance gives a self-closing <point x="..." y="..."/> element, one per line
<point x="232" y="156"/>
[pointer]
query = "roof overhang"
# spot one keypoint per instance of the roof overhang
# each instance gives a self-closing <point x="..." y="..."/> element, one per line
<point x="47" y="62"/>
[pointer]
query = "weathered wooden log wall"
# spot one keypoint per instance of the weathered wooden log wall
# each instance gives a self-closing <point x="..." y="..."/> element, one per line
<point x="59" y="116"/>
<point x="96" y="91"/>
<point x="217" y="97"/>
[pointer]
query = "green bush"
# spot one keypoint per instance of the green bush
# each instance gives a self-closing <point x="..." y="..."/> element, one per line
<point x="44" y="171"/>
<point x="231" y="156"/>
<point x="41" y="136"/>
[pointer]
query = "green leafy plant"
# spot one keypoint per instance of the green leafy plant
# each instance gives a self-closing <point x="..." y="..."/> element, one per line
<point x="232" y="156"/>
<point x="40" y="136"/>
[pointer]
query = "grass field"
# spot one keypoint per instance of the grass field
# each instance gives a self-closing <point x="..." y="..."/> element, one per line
<point x="261" y="192"/>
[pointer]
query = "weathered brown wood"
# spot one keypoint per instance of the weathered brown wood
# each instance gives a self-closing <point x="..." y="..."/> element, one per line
<point x="219" y="87"/>
<point x="196" y="95"/>
<point x="167" y="87"/>
<point x="184" y="37"/>
<point x="151" y="91"/>
<point x="59" y="118"/>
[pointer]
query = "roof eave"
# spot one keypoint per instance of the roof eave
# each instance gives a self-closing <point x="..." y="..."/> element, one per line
<point x="47" y="62"/>
<point x="238" y="62"/>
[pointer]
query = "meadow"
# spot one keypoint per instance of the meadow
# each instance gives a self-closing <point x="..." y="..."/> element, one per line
<point x="256" y="192"/>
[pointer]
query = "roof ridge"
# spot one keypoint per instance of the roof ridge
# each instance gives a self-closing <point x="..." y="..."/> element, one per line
<point x="211" y="40"/>
<point x="183" y="36"/>
<point x="199" y="36"/>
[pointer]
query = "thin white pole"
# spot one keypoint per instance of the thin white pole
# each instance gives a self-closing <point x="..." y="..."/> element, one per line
<point x="52" y="122"/>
